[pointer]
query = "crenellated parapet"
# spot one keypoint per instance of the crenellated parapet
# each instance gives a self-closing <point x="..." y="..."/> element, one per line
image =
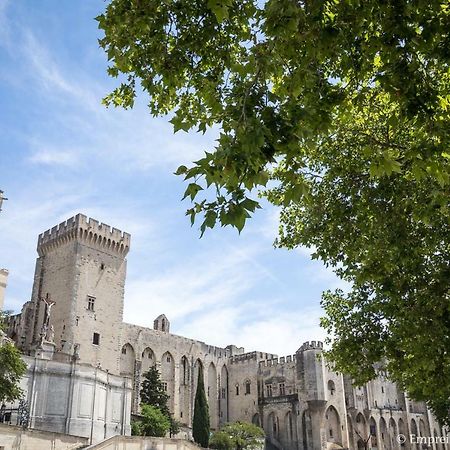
<point x="311" y="345"/>
<point x="278" y="361"/>
<point x="90" y="231"/>
<point x="250" y="356"/>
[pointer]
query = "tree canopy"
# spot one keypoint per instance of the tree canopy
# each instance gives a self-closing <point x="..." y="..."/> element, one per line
<point x="151" y="423"/>
<point x="238" y="436"/>
<point x="338" y="113"/>
<point x="12" y="368"/>
<point x="153" y="394"/>
<point x="152" y="390"/>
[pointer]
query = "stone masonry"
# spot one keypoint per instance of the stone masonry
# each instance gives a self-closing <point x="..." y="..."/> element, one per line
<point x="298" y="400"/>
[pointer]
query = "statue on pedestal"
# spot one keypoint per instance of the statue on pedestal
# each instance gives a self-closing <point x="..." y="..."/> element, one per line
<point x="47" y="332"/>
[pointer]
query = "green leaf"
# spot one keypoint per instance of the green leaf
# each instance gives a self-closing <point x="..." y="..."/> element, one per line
<point x="192" y="190"/>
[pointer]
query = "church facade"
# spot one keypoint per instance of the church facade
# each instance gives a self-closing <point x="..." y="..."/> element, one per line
<point x="75" y="318"/>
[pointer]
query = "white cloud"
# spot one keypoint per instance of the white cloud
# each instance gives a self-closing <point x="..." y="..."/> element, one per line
<point x="54" y="157"/>
<point x="257" y="326"/>
<point x="131" y="140"/>
<point x="205" y="280"/>
<point x="4" y="24"/>
<point x="47" y="72"/>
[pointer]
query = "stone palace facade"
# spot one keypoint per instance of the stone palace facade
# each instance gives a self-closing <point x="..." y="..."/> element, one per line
<point x="88" y="364"/>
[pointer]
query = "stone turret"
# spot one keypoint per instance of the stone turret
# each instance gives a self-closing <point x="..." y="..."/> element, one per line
<point x="161" y="323"/>
<point x="81" y="268"/>
<point x="92" y="232"/>
<point x="309" y="370"/>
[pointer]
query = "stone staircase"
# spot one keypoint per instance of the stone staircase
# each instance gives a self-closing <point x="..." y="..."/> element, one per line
<point x="142" y="443"/>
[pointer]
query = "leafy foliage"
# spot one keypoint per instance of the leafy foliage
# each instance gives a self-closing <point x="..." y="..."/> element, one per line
<point x="153" y="422"/>
<point x="154" y="394"/>
<point x="238" y="436"/>
<point x="136" y="428"/>
<point x="220" y="440"/>
<point x="344" y="107"/>
<point x="200" y="422"/>
<point x="152" y="390"/>
<point x="12" y="368"/>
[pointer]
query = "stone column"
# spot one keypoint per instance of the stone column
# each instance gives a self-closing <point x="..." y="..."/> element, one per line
<point x="316" y="411"/>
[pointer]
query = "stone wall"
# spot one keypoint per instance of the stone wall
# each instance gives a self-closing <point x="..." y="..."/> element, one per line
<point x="76" y="399"/>
<point x="16" y="438"/>
<point x="143" y="443"/>
<point x="179" y="360"/>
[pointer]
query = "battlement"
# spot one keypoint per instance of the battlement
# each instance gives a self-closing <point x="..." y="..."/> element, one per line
<point x="4" y="272"/>
<point x="278" y="361"/>
<point x="87" y="229"/>
<point x="313" y="345"/>
<point x="250" y="356"/>
<point x="218" y="352"/>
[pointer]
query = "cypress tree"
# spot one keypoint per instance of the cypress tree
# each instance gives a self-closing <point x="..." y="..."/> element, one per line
<point x="200" y="423"/>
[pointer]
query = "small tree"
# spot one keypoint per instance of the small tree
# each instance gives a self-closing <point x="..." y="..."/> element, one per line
<point x="200" y="422"/>
<point x="12" y="368"/>
<point x="153" y="422"/>
<point x="221" y="440"/>
<point x="154" y="394"/>
<point x="238" y="436"/>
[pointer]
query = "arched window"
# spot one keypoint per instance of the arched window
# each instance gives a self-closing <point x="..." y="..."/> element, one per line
<point x="331" y="387"/>
<point x="247" y="387"/>
<point x="237" y="389"/>
<point x="334" y="426"/>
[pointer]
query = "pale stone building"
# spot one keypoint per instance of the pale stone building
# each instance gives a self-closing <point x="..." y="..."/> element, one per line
<point x="3" y="283"/>
<point x="77" y="305"/>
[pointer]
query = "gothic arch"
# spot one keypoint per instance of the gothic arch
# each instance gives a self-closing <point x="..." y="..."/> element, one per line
<point x="373" y="430"/>
<point x="384" y="437"/>
<point x="273" y="426"/>
<point x="223" y="395"/>
<point x="185" y="390"/>
<point x="289" y="420"/>
<point x="331" y="388"/>
<point x="414" y="431"/>
<point x="392" y="433"/>
<point x="147" y="359"/>
<point x="168" y="377"/>
<point x="256" y="420"/>
<point x="333" y="425"/>
<point x="212" y="396"/>
<point x="423" y="428"/>
<point x="361" y="431"/>
<point x="127" y="360"/>
<point x="198" y="367"/>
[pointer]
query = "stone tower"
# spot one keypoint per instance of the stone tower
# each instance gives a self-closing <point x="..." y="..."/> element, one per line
<point x="78" y="290"/>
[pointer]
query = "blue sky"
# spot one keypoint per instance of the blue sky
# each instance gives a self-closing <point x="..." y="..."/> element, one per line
<point x="62" y="152"/>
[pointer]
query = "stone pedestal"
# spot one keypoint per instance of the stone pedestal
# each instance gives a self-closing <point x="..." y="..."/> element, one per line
<point x="45" y="350"/>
